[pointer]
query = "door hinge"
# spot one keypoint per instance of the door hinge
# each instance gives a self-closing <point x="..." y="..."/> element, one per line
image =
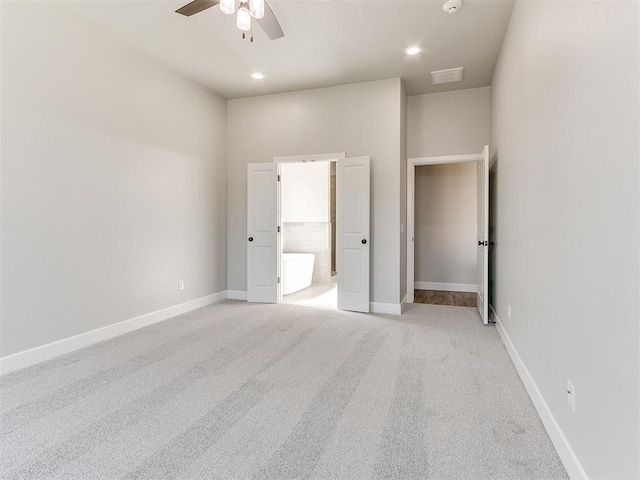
<point x="278" y="279"/>
<point x="278" y="177"/>
<point x="278" y="228"/>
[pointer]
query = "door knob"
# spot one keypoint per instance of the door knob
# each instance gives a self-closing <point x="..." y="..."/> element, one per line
<point x="364" y="241"/>
<point x="251" y="239"/>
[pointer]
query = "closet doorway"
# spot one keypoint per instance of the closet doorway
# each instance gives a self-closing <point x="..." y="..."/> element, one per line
<point x="446" y="243"/>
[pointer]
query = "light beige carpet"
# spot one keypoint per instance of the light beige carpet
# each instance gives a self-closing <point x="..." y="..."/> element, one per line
<point x="240" y="390"/>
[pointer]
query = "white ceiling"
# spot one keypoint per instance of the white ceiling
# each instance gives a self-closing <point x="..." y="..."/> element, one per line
<point x="326" y="42"/>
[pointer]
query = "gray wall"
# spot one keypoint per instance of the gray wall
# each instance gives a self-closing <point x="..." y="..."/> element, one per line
<point x="448" y="123"/>
<point x="565" y="135"/>
<point x="445" y="220"/>
<point x="113" y="181"/>
<point x="359" y="119"/>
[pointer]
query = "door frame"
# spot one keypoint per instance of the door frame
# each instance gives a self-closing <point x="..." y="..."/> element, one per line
<point x="318" y="157"/>
<point x="412" y="163"/>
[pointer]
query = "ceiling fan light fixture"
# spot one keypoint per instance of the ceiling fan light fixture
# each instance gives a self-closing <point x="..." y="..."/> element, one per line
<point x="244" y="18"/>
<point x="247" y="9"/>
<point x="256" y="8"/>
<point x="228" y="6"/>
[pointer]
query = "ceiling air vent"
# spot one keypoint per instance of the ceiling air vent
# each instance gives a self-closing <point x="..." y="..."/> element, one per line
<point x="446" y="76"/>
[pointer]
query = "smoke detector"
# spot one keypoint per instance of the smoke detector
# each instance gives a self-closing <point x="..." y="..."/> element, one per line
<point x="452" y="6"/>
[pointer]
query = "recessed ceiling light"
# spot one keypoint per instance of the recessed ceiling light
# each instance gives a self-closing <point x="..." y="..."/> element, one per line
<point x="257" y="76"/>
<point x="412" y="50"/>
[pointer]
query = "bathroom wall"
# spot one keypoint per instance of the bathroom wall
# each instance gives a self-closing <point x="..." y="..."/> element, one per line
<point x="306" y="217"/>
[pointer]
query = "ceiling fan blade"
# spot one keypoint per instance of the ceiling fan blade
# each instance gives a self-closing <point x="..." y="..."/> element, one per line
<point x="196" y="7"/>
<point x="269" y="24"/>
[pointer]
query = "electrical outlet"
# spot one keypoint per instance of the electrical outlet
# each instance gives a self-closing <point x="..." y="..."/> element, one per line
<point x="571" y="396"/>
<point x="181" y="285"/>
<point x="509" y="311"/>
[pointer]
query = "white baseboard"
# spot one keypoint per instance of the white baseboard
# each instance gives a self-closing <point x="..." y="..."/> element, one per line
<point x="567" y="455"/>
<point x="236" y="295"/>
<point x="24" y="359"/>
<point x="403" y="304"/>
<point x="392" y="308"/>
<point x="446" y="287"/>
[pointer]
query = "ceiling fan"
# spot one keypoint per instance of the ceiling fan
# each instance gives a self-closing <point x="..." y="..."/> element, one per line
<point x="248" y="10"/>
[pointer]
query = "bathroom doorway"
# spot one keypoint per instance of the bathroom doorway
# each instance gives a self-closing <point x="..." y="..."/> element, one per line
<point x="308" y="220"/>
<point x="265" y="243"/>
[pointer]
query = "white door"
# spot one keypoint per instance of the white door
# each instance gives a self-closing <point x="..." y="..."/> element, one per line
<point x="483" y="235"/>
<point x="262" y="233"/>
<point x="353" y="241"/>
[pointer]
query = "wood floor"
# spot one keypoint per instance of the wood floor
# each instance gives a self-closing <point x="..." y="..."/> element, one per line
<point x="436" y="297"/>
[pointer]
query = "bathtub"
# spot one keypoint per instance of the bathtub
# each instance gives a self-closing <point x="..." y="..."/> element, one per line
<point x="297" y="271"/>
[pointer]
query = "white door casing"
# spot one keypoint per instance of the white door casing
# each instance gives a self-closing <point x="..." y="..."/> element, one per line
<point x="412" y="163"/>
<point x="262" y="233"/>
<point x="411" y="219"/>
<point x="483" y="235"/>
<point x="353" y="240"/>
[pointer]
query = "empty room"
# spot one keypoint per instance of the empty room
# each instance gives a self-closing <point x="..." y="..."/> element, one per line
<point x="351" y="239"/>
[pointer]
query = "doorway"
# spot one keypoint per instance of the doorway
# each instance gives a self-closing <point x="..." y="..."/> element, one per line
<point x="308" y="233"/>
<point x="264" y="235"/>
<point x="447" y="241"/>
<point x="445" y="231"/>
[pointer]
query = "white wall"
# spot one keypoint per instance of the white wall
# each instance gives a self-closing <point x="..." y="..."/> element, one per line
<point x="445" y="220"/>
<point x="565" y="135"/>
<point x="113" y="180"/>
<point x="305" y="192"/>
<point x="359" y="119"/>
<point x="448" y="123"/>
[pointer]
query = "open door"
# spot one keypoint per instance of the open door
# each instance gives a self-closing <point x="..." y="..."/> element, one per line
<point x="262" y="233"/>
<point x="483" y="235"/>
<point x="353" y="241"/>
